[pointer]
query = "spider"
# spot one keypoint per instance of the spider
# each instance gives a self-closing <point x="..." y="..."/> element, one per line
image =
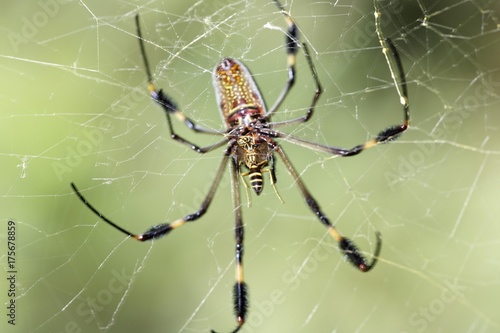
<point x="250" y="144"/>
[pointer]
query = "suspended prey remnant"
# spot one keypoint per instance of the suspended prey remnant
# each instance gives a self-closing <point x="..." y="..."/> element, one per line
<point x="250" y="144"/>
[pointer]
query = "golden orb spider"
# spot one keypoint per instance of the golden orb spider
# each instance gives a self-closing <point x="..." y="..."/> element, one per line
<point x="250" y="144"/>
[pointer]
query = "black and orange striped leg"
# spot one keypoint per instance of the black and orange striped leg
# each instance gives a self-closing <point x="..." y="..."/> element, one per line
<point x="163" y="229"/>
<point x="398" y="76"/>
<point x="292" y="46"/>
<point x="170" y="107"/>
<point x="347" y="246"/>
<point x="240" y="290"/>
<point x="387" y="134"/>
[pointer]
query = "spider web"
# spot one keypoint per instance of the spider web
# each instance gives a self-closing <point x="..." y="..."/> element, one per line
<point x="75" y="108"/>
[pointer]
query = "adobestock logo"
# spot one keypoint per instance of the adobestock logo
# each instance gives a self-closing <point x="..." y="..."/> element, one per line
<point x="90" y="307"/>
<point x="408" y="166"/>
<point x="437" y="306"/>
<point x="363" y="36"/>
<point x="292" y="279"/>
<point x="92" y="141"/>
<point x="90" y="138"/>
<point x="31" y="25"/>
<point x="93" y="305"/>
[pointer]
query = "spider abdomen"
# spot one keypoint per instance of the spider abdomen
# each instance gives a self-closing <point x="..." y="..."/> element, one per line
<point x="238" y="96"/>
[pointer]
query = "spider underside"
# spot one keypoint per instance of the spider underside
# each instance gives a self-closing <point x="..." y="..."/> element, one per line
<point x="250" y="141"/>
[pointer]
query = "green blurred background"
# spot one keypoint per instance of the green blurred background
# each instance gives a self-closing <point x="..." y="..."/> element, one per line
<point x="75" y="108"/>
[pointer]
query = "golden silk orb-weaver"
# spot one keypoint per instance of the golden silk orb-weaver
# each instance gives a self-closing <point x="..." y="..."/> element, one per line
<point x="250" y="144"/>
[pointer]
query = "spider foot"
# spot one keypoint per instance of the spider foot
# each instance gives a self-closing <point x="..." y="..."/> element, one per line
<point x="390" y="133"/>
<point x="240" y="325"/>
<point x="240" y="293"/>
<point x="355" y="257"/>
<point x="154" y="232"/>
